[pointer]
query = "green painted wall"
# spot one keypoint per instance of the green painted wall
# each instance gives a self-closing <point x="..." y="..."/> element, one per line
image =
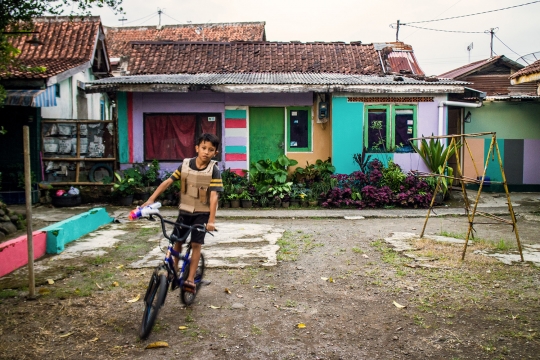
<point x="510" y="120"/>
<point x="347" y="133"/>
<point x="494" y="169"/>
<point x="123" y="134"/>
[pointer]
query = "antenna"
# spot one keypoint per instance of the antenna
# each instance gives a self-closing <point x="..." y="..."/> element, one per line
<point x="122" y="20"/>
<point x="469" y="48"/>
<point x="397" y="32"/>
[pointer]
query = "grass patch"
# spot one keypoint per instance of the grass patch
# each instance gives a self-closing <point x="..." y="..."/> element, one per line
<point x="358" y="250"/>
<point x="8" y="293"/>
<point x="255" y="330"/>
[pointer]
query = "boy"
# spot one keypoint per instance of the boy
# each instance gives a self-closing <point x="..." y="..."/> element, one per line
<point x="201" y="182"/>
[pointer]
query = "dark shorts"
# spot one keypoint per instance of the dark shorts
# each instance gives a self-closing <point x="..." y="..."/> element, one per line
<point x="194" y="219"/>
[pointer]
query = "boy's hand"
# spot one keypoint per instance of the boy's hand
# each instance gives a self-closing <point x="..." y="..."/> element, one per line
<point x="211" y="227"/>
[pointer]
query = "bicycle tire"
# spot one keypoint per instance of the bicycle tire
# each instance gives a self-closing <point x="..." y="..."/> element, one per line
<point x="187" y="297"/>
<point x="152" y="303"/>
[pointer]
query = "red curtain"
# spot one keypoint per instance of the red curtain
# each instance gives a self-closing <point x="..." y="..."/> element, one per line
<point x="169" y="137"/>
<point x="209" y="127"/>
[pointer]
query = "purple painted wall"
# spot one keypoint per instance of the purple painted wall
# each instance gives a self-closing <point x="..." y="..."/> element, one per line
<point x="428" y="115"/>
<point x="531" y="161"/>
<point x="202" y="101"/>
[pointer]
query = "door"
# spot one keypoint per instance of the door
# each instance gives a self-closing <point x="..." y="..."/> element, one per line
<point x="266" y="133"/>
<point x="454" y="128"/>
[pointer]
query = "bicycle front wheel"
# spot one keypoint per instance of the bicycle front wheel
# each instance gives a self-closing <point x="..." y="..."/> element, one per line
<point x="186" y="296"/>
<point x="153" y="300"/>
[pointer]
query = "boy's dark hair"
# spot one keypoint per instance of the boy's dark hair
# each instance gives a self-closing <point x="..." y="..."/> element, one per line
<point x="211" y="138"/>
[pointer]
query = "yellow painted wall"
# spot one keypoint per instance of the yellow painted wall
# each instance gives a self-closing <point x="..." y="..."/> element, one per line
<point x="322" y="142"/>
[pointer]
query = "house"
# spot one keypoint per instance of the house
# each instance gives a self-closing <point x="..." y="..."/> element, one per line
<point x="528" y="74"/>
<point x="306" y="100"/>
<point x="512" y="110"/>
<point x="71" y="52"/>
<point x="119" y="38"/>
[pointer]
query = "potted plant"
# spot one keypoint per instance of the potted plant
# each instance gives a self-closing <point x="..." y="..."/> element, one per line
<point x="246" y="199"/>
<point x="234" y="200"/>
<point x="279" y="191"/>
<point x="125" y="185"/>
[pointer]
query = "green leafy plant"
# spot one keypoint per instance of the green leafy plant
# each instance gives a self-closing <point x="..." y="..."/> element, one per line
<point x="245" y="195"/>
<point x="392" y="176"/>
<point x="268" y="172"/>
<point x="434" y="154"/>
<point x="126" y="182"/>
<point x="280" y="190"/>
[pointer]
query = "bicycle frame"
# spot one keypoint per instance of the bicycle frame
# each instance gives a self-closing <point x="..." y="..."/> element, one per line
<point x="168" y="262"/>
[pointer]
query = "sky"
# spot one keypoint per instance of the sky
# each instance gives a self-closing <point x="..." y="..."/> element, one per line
<point x="517" y="30"/>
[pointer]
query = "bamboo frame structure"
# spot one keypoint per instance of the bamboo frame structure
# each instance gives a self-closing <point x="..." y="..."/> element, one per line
<point x="471" y="213"/>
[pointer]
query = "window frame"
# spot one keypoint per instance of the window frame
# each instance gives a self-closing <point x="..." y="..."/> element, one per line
<point x="295" y="149"/>
<point x="403" y="107"/>
<point x="391" y="123"/>
<point x="198" y="131"/>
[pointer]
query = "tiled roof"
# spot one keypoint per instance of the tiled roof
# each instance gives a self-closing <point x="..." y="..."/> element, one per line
<point x="118" y="37"/>
<point x="253" y="57"/>
<point x="68" y="43"/>
<point x="528" y="70"/>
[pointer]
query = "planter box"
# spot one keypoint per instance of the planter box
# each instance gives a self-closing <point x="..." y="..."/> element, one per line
<point x="18" y="197"/>
<point x="66" y="200"/>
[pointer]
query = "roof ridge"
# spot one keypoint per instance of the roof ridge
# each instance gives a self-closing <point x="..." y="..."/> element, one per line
<point x="172" y="26"/>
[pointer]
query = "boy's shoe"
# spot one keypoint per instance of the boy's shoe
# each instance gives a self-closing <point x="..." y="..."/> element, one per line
<point x="190" y="286"/>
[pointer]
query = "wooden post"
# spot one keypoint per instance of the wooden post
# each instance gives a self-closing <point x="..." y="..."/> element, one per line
<point x="28" y="191"/>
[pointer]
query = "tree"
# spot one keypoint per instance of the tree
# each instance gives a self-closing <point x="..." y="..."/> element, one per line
<point x="16" y="19"/>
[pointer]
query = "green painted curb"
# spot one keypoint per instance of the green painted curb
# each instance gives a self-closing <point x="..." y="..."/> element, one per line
<point x="64" y="232"/>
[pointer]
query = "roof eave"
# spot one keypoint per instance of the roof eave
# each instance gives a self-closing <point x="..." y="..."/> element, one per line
<point x="282" y="88"/>
<point x="525" y="78"/>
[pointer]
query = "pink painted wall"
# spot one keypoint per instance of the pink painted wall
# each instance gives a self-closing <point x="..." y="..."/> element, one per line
<point x="14" y="253"/>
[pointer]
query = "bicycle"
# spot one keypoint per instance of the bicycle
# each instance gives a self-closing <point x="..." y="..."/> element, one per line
<point x="165" y="274"/>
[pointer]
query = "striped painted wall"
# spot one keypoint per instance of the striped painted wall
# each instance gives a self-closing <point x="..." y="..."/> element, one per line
<point x="236" y="139"/>
<point x="519" y="156"/>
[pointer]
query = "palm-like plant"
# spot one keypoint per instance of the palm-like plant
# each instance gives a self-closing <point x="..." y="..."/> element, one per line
<point x="435" y="156"/>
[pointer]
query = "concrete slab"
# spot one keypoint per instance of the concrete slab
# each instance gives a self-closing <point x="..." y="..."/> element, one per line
<point x="530" y="253"/>
<point x="233" y="245"/>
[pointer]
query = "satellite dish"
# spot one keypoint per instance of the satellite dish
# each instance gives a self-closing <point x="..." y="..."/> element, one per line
<point x="529" y="58"/>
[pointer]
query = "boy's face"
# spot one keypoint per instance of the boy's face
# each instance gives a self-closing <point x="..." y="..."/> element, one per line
<point x="205" y="151"/>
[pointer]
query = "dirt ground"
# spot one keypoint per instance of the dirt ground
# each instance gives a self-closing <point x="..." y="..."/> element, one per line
<point x="338" y="278"/>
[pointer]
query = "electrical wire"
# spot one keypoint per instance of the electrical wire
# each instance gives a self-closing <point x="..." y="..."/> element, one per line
<point x="479" y="13"/>
<point x="178" y="21"/>
<point x="506" y="45"/>
<point x="132" y="21"/>
<point x="450" y="31"/>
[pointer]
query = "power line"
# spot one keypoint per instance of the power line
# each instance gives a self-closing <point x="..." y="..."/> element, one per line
<point x="450" y="31"/>
<point x="479" y="13"/>
<point x="507" y="46"/>
<point x="132" y="21"/>
<point x="178" y="21"/>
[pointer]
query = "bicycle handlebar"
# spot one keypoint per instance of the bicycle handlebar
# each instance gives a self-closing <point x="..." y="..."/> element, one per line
<point x="173" y="237"/>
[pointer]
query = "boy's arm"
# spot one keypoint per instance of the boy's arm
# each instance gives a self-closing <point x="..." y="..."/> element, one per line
<point x="213" y="209"/>
<point x="161" y="188"/>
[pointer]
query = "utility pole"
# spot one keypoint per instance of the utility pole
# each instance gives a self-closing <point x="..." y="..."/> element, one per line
<point x="159" y="11"/>
<point x="397" y="32"/>
<point x="491" y="32"/>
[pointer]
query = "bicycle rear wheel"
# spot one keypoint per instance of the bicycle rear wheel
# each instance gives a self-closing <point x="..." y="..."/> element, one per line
<point x="153" y="300"/>
<point x="186" y="296"/>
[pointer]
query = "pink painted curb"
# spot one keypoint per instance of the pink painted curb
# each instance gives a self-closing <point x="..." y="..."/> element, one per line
<point x="14" y="253"/>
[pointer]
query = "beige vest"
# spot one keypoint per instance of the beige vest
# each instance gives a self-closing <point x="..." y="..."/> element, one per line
<point x="195" y="196"/>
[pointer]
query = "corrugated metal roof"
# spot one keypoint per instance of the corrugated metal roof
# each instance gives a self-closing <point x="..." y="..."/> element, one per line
<point x="269" y="79"/>
<point x="404" y="60"/>
<point x="513" y="97"/>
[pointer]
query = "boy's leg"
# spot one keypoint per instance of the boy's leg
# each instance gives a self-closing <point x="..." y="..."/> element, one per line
<point x="195" y="257"/>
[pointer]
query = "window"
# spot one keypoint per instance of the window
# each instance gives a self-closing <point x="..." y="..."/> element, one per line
<point x="388" y="128"/>
<point x="172" y="137"/>
<point x="299" y="129"/>
<point x="57" y="90"/>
